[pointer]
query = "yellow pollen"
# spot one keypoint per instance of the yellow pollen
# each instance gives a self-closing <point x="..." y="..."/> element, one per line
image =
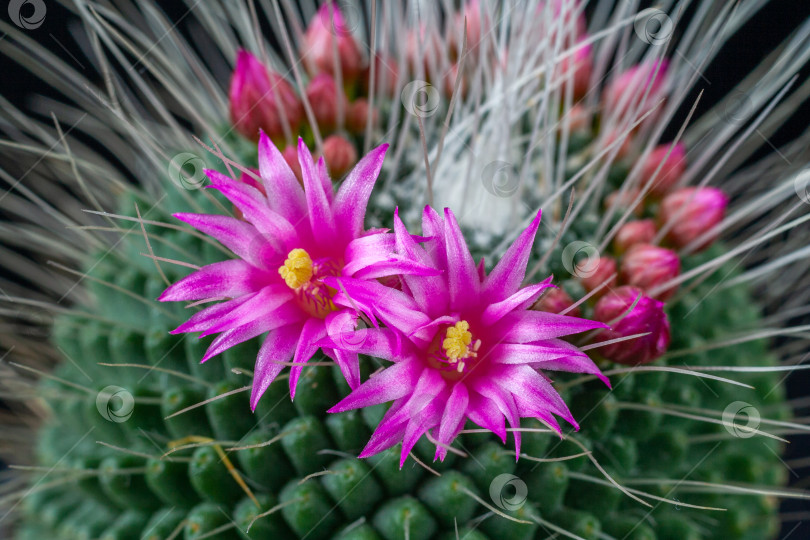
<point x="297" y="269"/>
<point x="457" y="340"/>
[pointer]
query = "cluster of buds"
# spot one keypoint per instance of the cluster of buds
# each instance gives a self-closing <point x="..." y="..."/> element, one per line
<point x="263" y="100"/>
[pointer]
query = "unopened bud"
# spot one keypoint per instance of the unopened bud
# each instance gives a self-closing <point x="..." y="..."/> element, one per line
<point x="649" y="267"/>
<point x="634" y="232"/>
<point x="253" y="103"/>
<point x="597" y="274"/>
<point x="646" y="317"/>
<point x="328" y="30"/>
<point x="339" y="154"/>
<point x="670" y="172"/>
<point x="693" y="212"/>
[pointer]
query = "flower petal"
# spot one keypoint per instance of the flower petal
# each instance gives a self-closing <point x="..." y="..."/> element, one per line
<point x="222" y="279"/>
<point x="529" y="326"/>
<point x="255" y="209"/>
<point x="313" y="331"/>
<point x="391" y="383"/>
<point x="506" y="277"/>
<point x="285" y="193"/>
<point x="352" y="197"/>
<point x="462" y="275"/>
<point x="276" y="350"/>
<point x="321" y="220"/>
<point x="233" y="233"/>
<point x="486" y="414"/>
<point x="518" y="301"/>
<point x="455" y="412"/>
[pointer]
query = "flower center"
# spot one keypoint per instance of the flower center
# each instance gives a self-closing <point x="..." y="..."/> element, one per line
<point x="457" y="348"/>
<point x="297" y="269"/>
<point x="305" y="277"/>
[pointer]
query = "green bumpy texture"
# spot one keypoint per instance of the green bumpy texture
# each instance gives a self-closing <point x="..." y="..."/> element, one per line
<point x="300" y="462"/>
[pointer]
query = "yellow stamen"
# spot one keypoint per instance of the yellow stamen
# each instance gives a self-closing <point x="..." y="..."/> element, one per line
<point x="457" y="340"/>
<point x="297" y="269"/>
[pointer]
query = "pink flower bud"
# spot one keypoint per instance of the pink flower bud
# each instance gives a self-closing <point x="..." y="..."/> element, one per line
<point x="648" y="267"/>
<point x="339" y="154"/>
<point x="326" y="31"/>
<point x="692" y="213"/>
<point x="577" y="68"/>
<point x="573" y="29"/>
<point x="357" y="116"/>
<point x="476" y="27"/>
<point x="594" y="273"/>
<point x="423" y="50"/>
<point x="556" y="300"/>
<point x="290" y="155"/>
<point x="253" y="104"/>
<point x="647" y="316"/>
<point x="323" y="97"/>
<point x="670" y="172"/>
<point x="624" y="145"/>
<point x="579" y="117"/>
<point x="386" y="75"/>
<point x="642" y="82"/>
<point x="624" y="200"/>
<point x="634" y="232"/>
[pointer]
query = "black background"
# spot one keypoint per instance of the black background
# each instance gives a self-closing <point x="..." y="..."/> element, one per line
<point x="741" y="54"/>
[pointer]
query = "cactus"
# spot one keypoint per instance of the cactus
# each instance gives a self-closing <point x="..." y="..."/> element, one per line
<point x="676" y="396"/>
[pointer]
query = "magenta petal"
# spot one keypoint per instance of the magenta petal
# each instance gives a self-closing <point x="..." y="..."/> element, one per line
<point x="395" y="266"/>
<point x="529" y="326"/>
<point x="506" y="277"/>
<point x="255" y="209"/>
<point x="381" y="343"/>
<point x="533" y="387"/>
<point x="321" y="220"/>
<point x="392" y="383"/>
<point x="433" y="227"/>
<point x="262" y="304"/>
<point x="503" y="400"/>
<point x="285" y="194"/>
<point x="228" y="339"/>
<point x="430" y="293"/>
<point x="484" y="413"/>
<point x="367" y="250"/>
<point x="352" y="197"/>
<point x="222" y="279"/>
<point x="313" y="331"/>
<point x="205" y="318"/>
<point x="276" y="350"/>
<point x="455" y="411"/>
<point x="234" y="234"/>
<point x="524" y="353"/>
<point x="420" y="421"/>
<point x="393" y="307"/>
<point x="518" y="301"/>
<point x="387" y="434"/>
<point x="462" y="275"/>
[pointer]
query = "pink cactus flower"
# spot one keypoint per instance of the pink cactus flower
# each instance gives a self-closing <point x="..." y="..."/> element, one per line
<point x="464" y="344"/>
<point x="290" y="242"/>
